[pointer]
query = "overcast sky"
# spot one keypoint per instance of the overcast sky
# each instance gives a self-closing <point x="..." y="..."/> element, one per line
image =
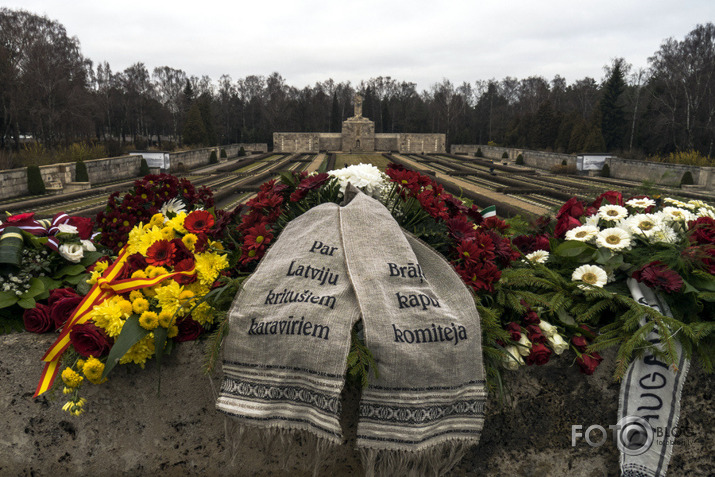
<point x="422" y="41"/>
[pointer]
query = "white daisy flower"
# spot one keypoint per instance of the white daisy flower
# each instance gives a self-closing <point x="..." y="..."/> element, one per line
<point x="706" y="212"/>
<point x="612" y="212"/>
<point x="591" y="275"/>
<point x="540" y="256"/>
<point x="642" y="224"/>
<point x="698" y="203"/>
<point x="641" y="203"/>
<point x="584" y="233"/>
<point x="614" y="238"/>
<point x="173" y="206"/>
<point x="677" y="214"/>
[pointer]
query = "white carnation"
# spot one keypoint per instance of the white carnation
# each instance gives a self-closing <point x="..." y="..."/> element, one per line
<point x="72" y="252"/>
<point x="366" y="177"/>
<point x="663" y="234"/>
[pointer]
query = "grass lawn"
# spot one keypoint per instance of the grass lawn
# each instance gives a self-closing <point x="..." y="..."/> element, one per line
<point x="378" y="160"/>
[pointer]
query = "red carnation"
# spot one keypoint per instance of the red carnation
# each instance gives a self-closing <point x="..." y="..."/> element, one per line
<point x="160" y="253"/>
<point x="539" y="355"/>
<point x="588" y="363"/>
<point x="38" y="320"/>
<point x="198" y="221"/>
<point x="658" y="276"/>
<point x="90" y="340"/>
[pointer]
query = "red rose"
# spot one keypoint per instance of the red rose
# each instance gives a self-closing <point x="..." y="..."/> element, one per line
<point x="588" y="363"/>
<point x="189" y="329"/>
<point x="531" y="318"/>
<point x="89" y="340"/>
<point x="572" y="208"/>
<point x="535" y="335"/>
<point x="612" y="197"/>
<point x="63" y="308"/>
<point x="564" y="224"/>
<point x="580" y="343"/>
<point x="37" y="320"/>
<point x="59" y="293"/>
<point x="702" y="230"/>
<point x="514" y="330"/>
<point x="84" y="226"/>
<point x="539" y="355"/>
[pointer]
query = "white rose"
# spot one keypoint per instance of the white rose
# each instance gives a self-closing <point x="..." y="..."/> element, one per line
<point x="557" y="343"/>
<point x="513" y="360"/>
<point x="67" y="229"/>
<point x="88" y="245"/>
<point x="72" y="252"/>
<point x="525" y="348"/>
<point x="548" y="329"/>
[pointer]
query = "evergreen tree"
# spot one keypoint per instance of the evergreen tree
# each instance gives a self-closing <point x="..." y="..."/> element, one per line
<point x="579" y="132"/>
<point x="336" y="120"/>
<point x="594" y="141"/>
<point x="204" y="103"/>
<point x="194" y="129"/>
<point x="613" y="118"/>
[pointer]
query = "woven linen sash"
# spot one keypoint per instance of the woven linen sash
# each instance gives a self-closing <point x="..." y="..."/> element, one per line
<point x="285" y="356"/>
<point x="649" y="402"/>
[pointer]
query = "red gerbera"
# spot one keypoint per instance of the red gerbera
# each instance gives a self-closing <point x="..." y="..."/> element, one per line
<point x="199" y="221"/>
<point x="657" y="275"/>
<point x="160" y="253"/>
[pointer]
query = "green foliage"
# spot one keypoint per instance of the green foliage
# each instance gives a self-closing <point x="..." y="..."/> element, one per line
<point x="594" y="141"/>
<point x="479" y="152"/>
<point x="143" y="168"/>
<point x="687" y="179"/>
<point x="212" y="158"/>
<point x="223" y="153"/>
<point x="613" y="117"/>
<point x="80" y="173"/>
<point x="605" y="171"/>
<point x="505" y="155"/>
<point x="520" y="160"/>
<point x="131" y="333"/>
<point x="194" y="129"/>
<point x="35" y="184"/>
<point x="241" y="152"/>
<point x="360" y="360"/>
<point x="564" y="162"/>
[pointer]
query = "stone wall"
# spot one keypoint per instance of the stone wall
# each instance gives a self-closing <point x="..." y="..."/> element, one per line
<point x="358" y="135"/>
<point x="187" y="160"/>
<point x="330" y="141"/>
<point x="296" y="142"/>
<point x="422" y="143"/>
<point x="387" y="142"/>
<point x="130" y="428"/>
<point x="112" y="169"/>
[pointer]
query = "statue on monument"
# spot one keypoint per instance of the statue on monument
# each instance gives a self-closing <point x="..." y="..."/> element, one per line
<point x="358" y="105"/>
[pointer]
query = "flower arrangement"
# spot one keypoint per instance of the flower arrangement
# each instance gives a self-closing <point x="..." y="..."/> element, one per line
<point x="154" y="193"/>
<point x="38" y="256"/>
<point x="152" y="295"/>
<point x="575" y="271"/>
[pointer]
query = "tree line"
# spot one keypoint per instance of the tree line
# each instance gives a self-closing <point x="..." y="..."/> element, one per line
<point x="49" y="91"/>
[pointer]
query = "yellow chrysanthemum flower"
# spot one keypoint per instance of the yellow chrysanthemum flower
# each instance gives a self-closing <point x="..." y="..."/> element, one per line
<point x="203" y="313"/>
<point x="190" y="241"/>
<point x="150" y="292"/>
<point x="80" y="362"/>
<point x="93" y="370"/>
<point x="140" y="352"/>
<point x="109" y="316"/>
<point x="93" y="278"/>
<point x="177" y="223"/>
<point x="139" y="274"/>
<point x="198" y="288"/>
<point x="71" y="378"/>
<point x="216" y="245"/>
<point x="168" y="297"/>
<point x="149" y="320"/>
<point x="166" y="319"/>
<point x="186" y="298"/>
<point x="100" y="267"/>
<point x="134" y="294"/>
<point x="126" y="307"/>
<point x="157" y="271"/>
<point x="140" y="305"/>
<point x="168" y="233"/>
<point x="172" y="332"/>
<point x="157" y="220"/>
<point x="209" y="265"/>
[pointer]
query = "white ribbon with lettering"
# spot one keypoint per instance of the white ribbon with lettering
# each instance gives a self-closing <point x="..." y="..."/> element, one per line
<point x="649" y="404"/>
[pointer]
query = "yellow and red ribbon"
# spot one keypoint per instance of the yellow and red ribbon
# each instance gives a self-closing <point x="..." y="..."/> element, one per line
<point x="105" y="288"/>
